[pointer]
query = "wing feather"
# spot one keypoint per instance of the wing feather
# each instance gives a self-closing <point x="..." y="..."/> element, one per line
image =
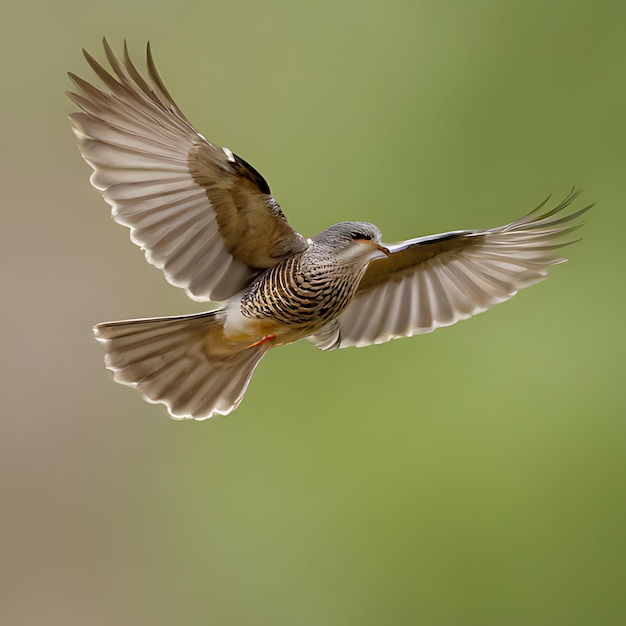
<point x="200" y="213"/>
<point x="438" y="280"/>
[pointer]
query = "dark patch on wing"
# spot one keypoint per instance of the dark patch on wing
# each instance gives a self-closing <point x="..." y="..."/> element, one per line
<point x="245" y="169"/>
<point x="440" y="238"/>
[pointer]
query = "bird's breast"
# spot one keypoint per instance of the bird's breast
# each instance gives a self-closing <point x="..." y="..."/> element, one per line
<point x="299" y="293"/>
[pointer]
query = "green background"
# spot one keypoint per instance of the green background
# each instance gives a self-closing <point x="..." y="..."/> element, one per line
<point x="474" y="476"/>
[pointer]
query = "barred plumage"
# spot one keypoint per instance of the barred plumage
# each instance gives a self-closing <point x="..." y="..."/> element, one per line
<point x="305" y="291"/>
<point x="207" y="219"/>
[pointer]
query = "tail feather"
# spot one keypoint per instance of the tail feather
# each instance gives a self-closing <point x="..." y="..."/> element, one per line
<point x="182" y="362"/>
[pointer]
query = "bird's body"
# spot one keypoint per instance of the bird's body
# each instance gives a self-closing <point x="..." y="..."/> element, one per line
<point x="207" y="218"/>
<point x="307" y="290"/>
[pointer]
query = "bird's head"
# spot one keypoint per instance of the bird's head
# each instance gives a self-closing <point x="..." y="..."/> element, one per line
<point x="352" y="241"/>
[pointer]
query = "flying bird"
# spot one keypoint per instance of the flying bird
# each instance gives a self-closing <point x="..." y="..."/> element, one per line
<point x="207" y="218"/>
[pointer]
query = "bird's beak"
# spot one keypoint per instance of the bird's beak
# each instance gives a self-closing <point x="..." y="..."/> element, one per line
<point x="380" y="253"/>
<point x="384" y="250"/>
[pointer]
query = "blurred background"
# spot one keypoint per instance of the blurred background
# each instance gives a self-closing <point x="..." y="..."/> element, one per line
<point x="474" y="476"/>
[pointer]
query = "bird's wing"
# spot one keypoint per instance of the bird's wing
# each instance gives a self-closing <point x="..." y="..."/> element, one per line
<point x="436" y="281"/>
<point x="201" y="213"/>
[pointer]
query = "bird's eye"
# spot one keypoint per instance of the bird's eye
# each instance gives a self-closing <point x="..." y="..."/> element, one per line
<point x="361" y="236"/>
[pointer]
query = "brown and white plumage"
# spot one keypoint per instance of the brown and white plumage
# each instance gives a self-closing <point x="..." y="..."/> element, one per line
<point x="435" y="281"/>
<point x="207" y="219"/>
<point x="202" y="214"/>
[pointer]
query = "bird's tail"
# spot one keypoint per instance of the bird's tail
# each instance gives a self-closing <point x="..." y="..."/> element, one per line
<point x="183" y="362"/>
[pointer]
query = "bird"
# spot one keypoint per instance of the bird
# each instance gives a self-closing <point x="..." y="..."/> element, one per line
<point x="208" y="220"/>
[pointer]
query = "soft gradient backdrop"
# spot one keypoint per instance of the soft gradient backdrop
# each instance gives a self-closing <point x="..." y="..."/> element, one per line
<point x="475" y="476"/>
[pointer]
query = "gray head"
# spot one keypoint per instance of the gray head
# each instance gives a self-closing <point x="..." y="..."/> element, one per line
<point x="341" y="234"/>
<point x="352" y="240"/>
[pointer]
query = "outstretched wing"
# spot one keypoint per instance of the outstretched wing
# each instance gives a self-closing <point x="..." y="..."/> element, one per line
<point x="201" y="213"/>
<point x="436" y="281"/>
